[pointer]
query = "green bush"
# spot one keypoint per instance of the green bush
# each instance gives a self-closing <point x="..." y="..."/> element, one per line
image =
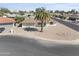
<point x="19" y="19"/>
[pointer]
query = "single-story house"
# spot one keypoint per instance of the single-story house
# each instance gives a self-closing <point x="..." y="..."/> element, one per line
<point x="31" y="22"/>
<point x="28" y="22"/>
<point x="11" y="15"/>
<point x="73" y="17"/>
<point x="6" y="22"/>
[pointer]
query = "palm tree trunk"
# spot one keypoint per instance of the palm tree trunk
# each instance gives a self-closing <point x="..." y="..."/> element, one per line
<point x="41" y="26"/>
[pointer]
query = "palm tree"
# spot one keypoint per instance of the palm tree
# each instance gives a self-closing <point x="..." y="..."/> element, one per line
<point x="42" y="15"/>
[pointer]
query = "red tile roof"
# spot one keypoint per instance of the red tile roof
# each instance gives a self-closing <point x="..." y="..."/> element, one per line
<point x="6" y="20"/>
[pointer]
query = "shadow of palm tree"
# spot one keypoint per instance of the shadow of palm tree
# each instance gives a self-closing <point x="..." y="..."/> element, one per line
<point x="30" y="29"/>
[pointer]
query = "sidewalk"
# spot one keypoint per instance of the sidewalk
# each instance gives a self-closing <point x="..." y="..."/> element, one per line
<point x="72" y="42"/>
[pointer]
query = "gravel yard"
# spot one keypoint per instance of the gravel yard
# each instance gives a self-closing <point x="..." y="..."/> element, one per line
<point x="58" y="32"/>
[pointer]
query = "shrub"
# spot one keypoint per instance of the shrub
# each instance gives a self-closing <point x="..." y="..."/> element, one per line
<point x="19" y="19"/>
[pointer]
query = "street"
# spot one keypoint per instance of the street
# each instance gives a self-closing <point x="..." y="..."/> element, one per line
<point x="20" y="46"/>
<point x="69" y="24"/>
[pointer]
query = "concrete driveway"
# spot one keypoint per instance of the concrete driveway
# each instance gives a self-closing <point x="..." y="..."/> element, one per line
<point x="20" y="46"/>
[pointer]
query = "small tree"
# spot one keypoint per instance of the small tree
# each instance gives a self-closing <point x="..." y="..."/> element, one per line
<point x="28" y="16"/>
<point x="19" y="19"/>
<point x="1" y="13"/>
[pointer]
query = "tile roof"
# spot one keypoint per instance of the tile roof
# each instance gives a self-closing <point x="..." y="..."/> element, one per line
<point x="31" y="21"/>
<point x="6" y="20"/>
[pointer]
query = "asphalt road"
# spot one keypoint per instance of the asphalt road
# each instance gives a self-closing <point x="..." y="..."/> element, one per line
<point x="19" y="46"/>
<point x="69" y="24"/>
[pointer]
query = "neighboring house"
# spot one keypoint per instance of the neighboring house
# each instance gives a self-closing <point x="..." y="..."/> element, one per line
<point x="14" y="15"/>
<point x="31" y="15"/>
<point x="26" y="14"/>
<point x="6" y="22"/>
<point x="31" y="22"/>
<point x="11" y="15"/>
<point x="73" y="17"/>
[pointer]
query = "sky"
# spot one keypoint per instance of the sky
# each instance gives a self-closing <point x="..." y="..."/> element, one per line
<point x="33" y="6"/>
